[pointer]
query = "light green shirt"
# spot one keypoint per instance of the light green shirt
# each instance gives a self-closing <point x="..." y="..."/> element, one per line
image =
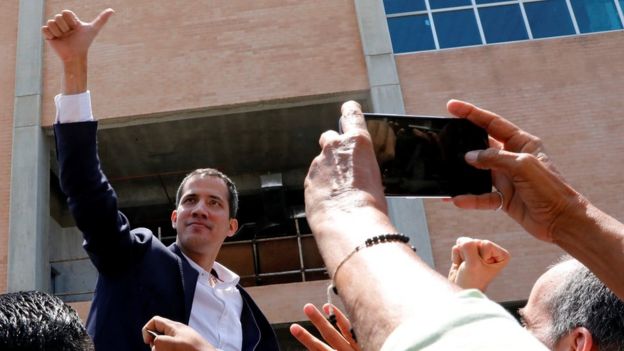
<point x="472" y="322"/>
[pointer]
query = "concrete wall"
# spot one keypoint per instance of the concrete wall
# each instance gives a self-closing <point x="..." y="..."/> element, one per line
<point x="283" y="303"/>
<point x="155" y="57"/>
<point x="8" y="37"/>
<point x="74" y="274"/>
<point x="568" y="91"/>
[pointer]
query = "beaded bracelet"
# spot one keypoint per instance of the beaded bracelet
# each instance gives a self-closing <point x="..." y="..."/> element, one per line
<point x="378" y="239"/>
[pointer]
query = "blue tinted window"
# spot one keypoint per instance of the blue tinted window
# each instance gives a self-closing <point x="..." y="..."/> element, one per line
<point x="411" y="33"/>
<point x="502" y="23"/>
<point x="396" y="6"/>
<point x="596" y="15"/>
<point x="549" y="18"/>
<point x="488" y="1"/>
<point x="456" y="28"/>
<point x="438" y="4"/>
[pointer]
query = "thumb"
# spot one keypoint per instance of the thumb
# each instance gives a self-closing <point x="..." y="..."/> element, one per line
<point x="164" y="342"/>
<point x="469" y="250"/>
<point x="352" y="118"/>
<point x="102" y="18"/>
<point x="492" y="158"/>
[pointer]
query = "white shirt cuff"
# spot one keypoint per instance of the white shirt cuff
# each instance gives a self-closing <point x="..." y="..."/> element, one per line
<point x="73" y="108"/>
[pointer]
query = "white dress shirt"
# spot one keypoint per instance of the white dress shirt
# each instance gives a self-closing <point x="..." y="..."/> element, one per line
<point x="217" y="307"/>
<point x="217" y="303"/>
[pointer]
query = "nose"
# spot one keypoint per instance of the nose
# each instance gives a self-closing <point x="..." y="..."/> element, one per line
<point x="200" y="210"/>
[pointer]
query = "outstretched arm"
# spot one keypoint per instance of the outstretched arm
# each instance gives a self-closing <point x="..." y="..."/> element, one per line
<point x="345" y="205"/>
<point x="91" y="198"/>
<point x="475" y="263"/>
<point x="538" y="197"/>
<point x="70" y="38"/>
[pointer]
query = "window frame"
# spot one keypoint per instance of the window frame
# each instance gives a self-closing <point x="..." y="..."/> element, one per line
<point x="429" y="12"/>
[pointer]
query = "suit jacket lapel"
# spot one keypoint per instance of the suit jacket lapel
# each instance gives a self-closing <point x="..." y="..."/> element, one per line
<point x="189" y="281"/>
<point x="251" y="332"/>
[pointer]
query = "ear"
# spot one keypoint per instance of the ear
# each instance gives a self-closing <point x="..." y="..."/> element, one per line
<point x="583" y="339"/>
<point x="174" y="219"/>
<point x="579" y="339"/>
<point x="233" y="226"/>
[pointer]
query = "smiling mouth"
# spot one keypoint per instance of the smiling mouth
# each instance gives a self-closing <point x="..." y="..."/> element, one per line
<point x="199" y="224"/>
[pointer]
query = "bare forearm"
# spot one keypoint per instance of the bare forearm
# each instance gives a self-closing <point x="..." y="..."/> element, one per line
<point x="74" y="76"/>
<point x="383" y="285"/>
<point x="597" y="240"/>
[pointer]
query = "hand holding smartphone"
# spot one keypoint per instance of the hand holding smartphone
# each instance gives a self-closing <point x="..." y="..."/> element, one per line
<point x="423" y="156"/>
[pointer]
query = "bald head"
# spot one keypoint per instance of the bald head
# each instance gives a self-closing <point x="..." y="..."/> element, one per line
<point x="569" y="299"/>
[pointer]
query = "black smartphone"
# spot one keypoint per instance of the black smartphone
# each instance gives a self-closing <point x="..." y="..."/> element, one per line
<point x="423" y="156"/>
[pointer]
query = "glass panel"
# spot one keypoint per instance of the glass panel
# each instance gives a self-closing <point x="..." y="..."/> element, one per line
<point x="502" y="23"/>
<point x="549" y="18"/>
<point x="238" y="256"/>
<point x="397" y="6"/>
<point x="278" y="255"/>
<point x="411" y="33"/>
<point x="439" y="4"/>
<point x="311" y="256"/>
<point x="456" y="28"/>
<point x="488" y="1"/>
<point x="596" y="15"/>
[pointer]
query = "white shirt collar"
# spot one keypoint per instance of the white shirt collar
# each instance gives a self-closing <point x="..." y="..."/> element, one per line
<point x="224" y="275"/>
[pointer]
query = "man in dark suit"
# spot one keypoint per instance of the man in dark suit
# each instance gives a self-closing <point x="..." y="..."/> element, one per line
<point x="138" y="276"/>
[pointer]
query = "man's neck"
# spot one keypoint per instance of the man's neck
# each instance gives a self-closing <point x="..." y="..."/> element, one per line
<point x="205" y="260"/>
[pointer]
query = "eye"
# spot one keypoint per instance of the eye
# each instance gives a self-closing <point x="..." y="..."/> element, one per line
<point x="189" y="200"/>
<point x="214" y="203"/>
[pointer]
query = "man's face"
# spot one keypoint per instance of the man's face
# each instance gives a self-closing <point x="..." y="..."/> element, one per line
<point x="202" y="219"/>
<point x="536" y="316"/>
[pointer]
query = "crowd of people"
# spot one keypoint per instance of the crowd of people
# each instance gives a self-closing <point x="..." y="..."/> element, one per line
<point x="393" y="300"/>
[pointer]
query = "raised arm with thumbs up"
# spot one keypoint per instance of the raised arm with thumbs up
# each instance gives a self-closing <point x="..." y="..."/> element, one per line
<point x="70" y="38"/>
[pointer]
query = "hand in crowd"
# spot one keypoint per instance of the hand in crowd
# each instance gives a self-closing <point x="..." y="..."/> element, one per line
<point x="341" y="340"/>
<point x="345" y="206"/>
<point x="536" y="196"/>
<point x="475" y="262"/>
<point x="534" y="193"/>
<point x="343" y="185"/>
<point x="175" y="336"/>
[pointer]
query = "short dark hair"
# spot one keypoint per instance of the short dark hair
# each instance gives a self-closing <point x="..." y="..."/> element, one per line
<point x="33" y="320"/>
<point x="582" y="300"/>
<point x="232" y="192"/>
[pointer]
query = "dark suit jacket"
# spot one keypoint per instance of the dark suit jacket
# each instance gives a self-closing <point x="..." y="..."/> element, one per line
<point x="138" y="276"/>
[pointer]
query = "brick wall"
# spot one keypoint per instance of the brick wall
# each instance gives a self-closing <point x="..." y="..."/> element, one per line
<point x="155" y="57"/>
<point x="568" y="91"/>
<point x="8" y="38"/>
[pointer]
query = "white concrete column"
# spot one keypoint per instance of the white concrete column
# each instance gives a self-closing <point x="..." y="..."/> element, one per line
<point x="407" y="214"/>
<point x="28" y="266"/>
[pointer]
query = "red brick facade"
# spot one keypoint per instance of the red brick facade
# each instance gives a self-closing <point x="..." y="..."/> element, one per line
<point x="565" y="90"/>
